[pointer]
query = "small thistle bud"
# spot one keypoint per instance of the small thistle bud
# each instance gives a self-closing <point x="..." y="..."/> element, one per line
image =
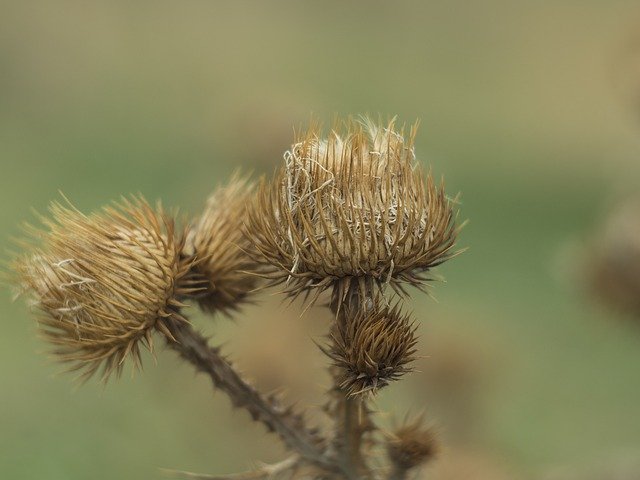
<point x="218" y="248"/>
<point x="103" y="283"/>
<point x="411" y="446"/>
<point x="371" y="347"/>
<point x="350" y="210"/>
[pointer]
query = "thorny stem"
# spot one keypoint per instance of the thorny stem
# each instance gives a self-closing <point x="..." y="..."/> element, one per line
<point x="283" y="421"/>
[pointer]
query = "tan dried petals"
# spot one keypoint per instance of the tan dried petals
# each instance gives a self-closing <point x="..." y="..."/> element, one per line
<point x="218" y="249"/>
<point x="371" y="347"/>
<point x="102" y="282"/>
<point x="411" y="446"/>
<point x="353" y="206"/>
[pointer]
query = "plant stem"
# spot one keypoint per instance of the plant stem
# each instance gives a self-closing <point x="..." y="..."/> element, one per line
<point x="289" y="425"/>
<point x="352" y="414"/>
<point x="349" y="433"/>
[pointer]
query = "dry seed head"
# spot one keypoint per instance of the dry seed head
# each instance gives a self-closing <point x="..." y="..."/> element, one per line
<point x="613" y="268"/>
<point x="412" y="445"/>
<point x="102" y="283"/>
<point x="371" y="347"/>
<point x="217" y="248"/>
<point x="352" y="209"/>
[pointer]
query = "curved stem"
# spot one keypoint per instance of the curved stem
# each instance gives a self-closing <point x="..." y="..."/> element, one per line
<point x="289" y="425"/>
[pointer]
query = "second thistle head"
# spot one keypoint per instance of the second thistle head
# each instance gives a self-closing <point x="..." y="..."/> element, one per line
<point x="352" y="212"/>
<point x="217" y="249"/>
<point x="103" y="283"/>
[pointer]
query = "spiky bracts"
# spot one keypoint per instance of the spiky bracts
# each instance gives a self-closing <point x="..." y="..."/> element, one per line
<point x="217" y="249"/>
<point x="371" y="347"/>
<point x="411" y="446"/>
<point x="350" y="209"/>
<point x="103" y="283"/>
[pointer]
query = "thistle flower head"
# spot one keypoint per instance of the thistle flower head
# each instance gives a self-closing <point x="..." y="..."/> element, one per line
<point x="371" y="347"/>
<point x="613" y="268"/>
<point x="217" y="248"/>
<point x="411" y="445"/>
<point x="103" y="283"/>
<point x="351" y="209"/>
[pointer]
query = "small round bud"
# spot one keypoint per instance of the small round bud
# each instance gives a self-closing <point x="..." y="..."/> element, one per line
<point x="352" y="209"/>
<point x="411" y="446"/>
<point x="217" y="248"/>
<point x="371" y="347"/>
<point x="103" y="282"/>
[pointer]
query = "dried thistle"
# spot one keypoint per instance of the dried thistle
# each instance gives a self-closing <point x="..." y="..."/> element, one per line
<point x="352" y="213"/>
<point x="613" y="262"/>
<point x="351" y="210"/>
<point x="103" y="282"/>
<point x="217" y="249"/>
<point x="371" y="347"/>
<point x="411" y="446"/>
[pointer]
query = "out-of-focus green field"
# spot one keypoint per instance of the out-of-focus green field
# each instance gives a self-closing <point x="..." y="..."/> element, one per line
<point x="527" y="108"/>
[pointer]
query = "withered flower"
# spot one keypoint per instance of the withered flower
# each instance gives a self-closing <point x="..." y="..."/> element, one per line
<point x="411" y="445"/>
<point x="217" y="248"/>
<point x="371" y="347"/>
<point x="613" y="260"/>
<point x="350" y="212"/>
<point x="102" y="283"/>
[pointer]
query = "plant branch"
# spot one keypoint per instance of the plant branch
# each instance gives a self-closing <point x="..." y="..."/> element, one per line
<point x="283" y="421"/>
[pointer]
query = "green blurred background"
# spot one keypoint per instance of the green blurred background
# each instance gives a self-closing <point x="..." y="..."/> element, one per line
<point x="531" y="109"/>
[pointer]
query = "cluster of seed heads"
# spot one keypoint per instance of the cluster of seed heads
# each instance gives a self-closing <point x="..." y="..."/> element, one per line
<point x="352" y="213"/>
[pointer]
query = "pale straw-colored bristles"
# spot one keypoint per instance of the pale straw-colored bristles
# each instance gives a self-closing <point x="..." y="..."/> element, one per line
<point x="351" y="208"/>
<point x="103" y="283"/>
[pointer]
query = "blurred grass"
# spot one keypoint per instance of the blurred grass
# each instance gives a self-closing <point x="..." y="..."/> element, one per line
<point x="519" y="110"/>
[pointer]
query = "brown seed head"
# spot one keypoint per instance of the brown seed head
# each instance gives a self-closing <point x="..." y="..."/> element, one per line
<point x="411" y="445"/>
<point x="371" y="347"/>
<point x="218" y="248"/>
<point x="349" y="209"/>
<point x="613" y="268"/>
<point x="103" y="282"/>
